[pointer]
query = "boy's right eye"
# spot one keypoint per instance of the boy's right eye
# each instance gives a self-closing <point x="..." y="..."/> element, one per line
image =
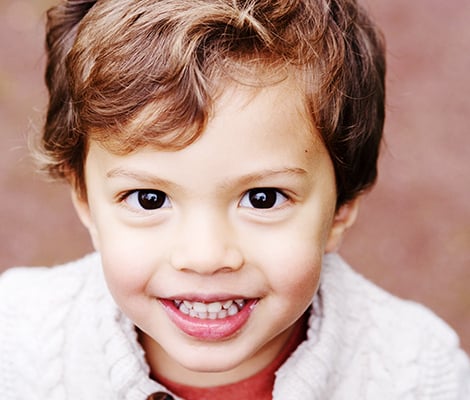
<point x="147" y="199"/>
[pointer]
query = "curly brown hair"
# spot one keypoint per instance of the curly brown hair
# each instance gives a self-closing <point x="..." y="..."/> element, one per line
<point x="147" y="72"/>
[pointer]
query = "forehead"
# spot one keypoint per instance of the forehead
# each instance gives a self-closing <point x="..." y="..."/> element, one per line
<point x="262" y="97"/>
<point x="250" y="128"/>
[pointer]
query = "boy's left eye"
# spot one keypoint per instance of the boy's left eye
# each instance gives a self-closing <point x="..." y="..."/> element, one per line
<point x="263" y="198"/>
<point x="147" y="199"/>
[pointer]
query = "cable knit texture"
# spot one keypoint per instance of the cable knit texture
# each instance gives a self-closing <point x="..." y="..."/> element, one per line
<point x="63" y="337"/>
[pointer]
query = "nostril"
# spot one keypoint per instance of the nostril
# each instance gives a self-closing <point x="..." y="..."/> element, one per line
<point x="206" y="260"/>
<point x="160" y="396"/>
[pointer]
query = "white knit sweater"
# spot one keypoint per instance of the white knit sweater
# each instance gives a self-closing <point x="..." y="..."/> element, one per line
<point x="62" y="337"/>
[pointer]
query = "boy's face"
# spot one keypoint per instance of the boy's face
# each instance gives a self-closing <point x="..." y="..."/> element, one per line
<point x="244" y="213"/>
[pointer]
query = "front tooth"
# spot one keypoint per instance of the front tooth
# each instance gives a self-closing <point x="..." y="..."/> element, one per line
<point x="199" y="307"/>
<point x="214" y="307"/>
<point x="212" y="315"/>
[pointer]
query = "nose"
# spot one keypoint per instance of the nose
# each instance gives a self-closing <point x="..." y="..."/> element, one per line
<point x="206" y="245"/>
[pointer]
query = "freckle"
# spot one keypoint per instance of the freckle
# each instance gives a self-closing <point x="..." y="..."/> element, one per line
<point x="306" y="151"/>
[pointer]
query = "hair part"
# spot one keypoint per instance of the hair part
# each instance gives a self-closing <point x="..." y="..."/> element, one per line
<point x="134" y="73"/>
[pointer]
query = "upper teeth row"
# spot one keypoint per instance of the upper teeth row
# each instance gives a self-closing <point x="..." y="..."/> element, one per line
<point x="212" y="310"/>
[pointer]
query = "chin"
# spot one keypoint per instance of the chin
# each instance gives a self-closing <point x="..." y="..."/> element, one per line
<point x="216" y="364"/>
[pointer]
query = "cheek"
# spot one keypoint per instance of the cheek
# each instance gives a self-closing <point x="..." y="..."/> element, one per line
<point x="300" y="243"/>
<point x="124" y="279"/>
<point x="127" y="262"/>
<point x="127" y="276"/>
<point x="292" y="257"/>
<point x="127" y="252"/>
<point x="298" y="275"/>
<point x="293" y="268"/>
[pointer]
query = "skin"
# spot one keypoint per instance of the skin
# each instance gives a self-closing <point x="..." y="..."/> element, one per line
<point x="209" y="241"/>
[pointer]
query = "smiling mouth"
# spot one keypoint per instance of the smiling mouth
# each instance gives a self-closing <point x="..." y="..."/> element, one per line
<point x="209" y="320"/>
<point x="214" y="310"/>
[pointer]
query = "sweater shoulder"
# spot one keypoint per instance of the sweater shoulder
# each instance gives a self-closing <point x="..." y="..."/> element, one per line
<point x="405" y="340"/>
<point x="357" y="296"/>
<point x="32" y="298"/>
<point x="20" y="286"/>
<point x="38" y="306"/>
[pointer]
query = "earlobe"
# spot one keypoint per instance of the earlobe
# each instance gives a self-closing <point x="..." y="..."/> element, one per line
<point x="343" y="220"/>
<point x="83" y="211"/>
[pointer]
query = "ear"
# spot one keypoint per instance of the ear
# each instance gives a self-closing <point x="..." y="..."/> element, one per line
<point x="344" y="219"/>
<point x="83" y="210"/>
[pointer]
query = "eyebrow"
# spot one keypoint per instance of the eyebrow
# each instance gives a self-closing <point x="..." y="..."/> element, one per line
<point x="265" y="174"/>
<point x="141" y="177"/>
<point x="153" y="180"/>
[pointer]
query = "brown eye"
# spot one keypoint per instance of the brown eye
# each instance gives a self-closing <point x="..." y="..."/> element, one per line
<point x="263" y="198"/>
<point x="148" y="199"/>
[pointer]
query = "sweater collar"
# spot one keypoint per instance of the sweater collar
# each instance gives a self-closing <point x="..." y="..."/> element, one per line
<point x="121" y="352"/>
<point x="307" y="373"/>
<point x="317" y="356"/>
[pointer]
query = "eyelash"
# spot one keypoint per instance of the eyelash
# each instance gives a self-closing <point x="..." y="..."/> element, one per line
<point x="257" y="198"/>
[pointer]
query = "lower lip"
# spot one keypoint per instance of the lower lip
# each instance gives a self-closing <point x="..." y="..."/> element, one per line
<point x="209" y="329"/>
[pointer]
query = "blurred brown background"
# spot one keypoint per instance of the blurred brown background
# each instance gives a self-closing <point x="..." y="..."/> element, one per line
<point x="413" y="234"/>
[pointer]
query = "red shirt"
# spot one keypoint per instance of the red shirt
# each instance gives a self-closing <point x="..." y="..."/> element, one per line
<point x="258" y="386"/>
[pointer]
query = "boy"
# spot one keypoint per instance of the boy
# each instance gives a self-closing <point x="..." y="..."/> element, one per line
<point x="216" y="152"/>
